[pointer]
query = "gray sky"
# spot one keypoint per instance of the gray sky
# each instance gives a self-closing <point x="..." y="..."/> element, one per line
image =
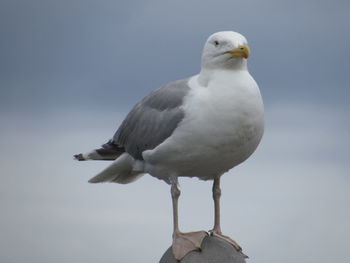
<point x="71" y="70"/>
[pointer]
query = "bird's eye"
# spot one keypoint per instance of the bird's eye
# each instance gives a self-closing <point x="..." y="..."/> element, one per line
<point x="216" y="43"/>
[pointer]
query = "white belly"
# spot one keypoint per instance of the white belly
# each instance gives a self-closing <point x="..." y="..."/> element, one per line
<point x="222" y="127"/>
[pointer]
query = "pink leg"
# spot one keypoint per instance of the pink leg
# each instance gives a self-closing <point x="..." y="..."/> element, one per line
<point x="183" y="243"/>
<point x="217" y="226"/>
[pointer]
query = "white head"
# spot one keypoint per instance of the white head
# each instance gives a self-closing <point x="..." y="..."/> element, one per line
<point x="226" y="49"/>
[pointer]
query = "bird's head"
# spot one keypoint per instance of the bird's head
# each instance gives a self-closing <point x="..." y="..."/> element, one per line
<point x="226" y="49"/>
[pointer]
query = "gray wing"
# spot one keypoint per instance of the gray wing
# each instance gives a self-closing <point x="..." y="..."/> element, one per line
<point x="153" y="119"/>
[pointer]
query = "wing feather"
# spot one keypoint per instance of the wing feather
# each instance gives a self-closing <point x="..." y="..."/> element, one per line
<point x="153" y="119"/>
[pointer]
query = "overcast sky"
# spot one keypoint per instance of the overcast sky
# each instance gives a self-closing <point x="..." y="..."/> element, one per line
<point x="71" y="70"/>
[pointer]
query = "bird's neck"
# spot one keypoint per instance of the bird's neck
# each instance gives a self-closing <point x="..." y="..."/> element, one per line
<point x="207" y="73"/>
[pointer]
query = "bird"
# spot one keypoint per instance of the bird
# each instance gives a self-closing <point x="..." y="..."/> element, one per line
<point x="200" y="126"/>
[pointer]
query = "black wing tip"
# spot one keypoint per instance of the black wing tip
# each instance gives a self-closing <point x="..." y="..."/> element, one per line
<point x="113" y="146"/>
<point x="95" y="180"/>
<point x="79" y="157"/>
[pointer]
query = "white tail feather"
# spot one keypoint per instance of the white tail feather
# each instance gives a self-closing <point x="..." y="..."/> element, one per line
<point x="120" y="171"/>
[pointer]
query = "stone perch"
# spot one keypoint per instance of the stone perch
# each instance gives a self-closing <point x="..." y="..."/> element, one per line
<point x="214" y="250"/>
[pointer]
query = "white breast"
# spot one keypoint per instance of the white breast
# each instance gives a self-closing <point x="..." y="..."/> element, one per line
<point x="222" y="127"/>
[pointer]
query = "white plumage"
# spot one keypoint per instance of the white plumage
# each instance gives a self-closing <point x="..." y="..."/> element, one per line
<point x="222" y="127"/>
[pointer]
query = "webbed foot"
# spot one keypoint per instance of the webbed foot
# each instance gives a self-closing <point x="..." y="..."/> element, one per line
<point x="230" y="240"/>
<point x="183" y="243"/>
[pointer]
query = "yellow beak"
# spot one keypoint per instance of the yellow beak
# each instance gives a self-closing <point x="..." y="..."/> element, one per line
<point x="241" y="52"/>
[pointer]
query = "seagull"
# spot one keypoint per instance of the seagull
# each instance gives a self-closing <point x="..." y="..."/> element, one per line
<point x="201" y="126"/>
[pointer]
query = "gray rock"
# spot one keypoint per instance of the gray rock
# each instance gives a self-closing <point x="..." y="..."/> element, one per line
<point x="214" y="250"/>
